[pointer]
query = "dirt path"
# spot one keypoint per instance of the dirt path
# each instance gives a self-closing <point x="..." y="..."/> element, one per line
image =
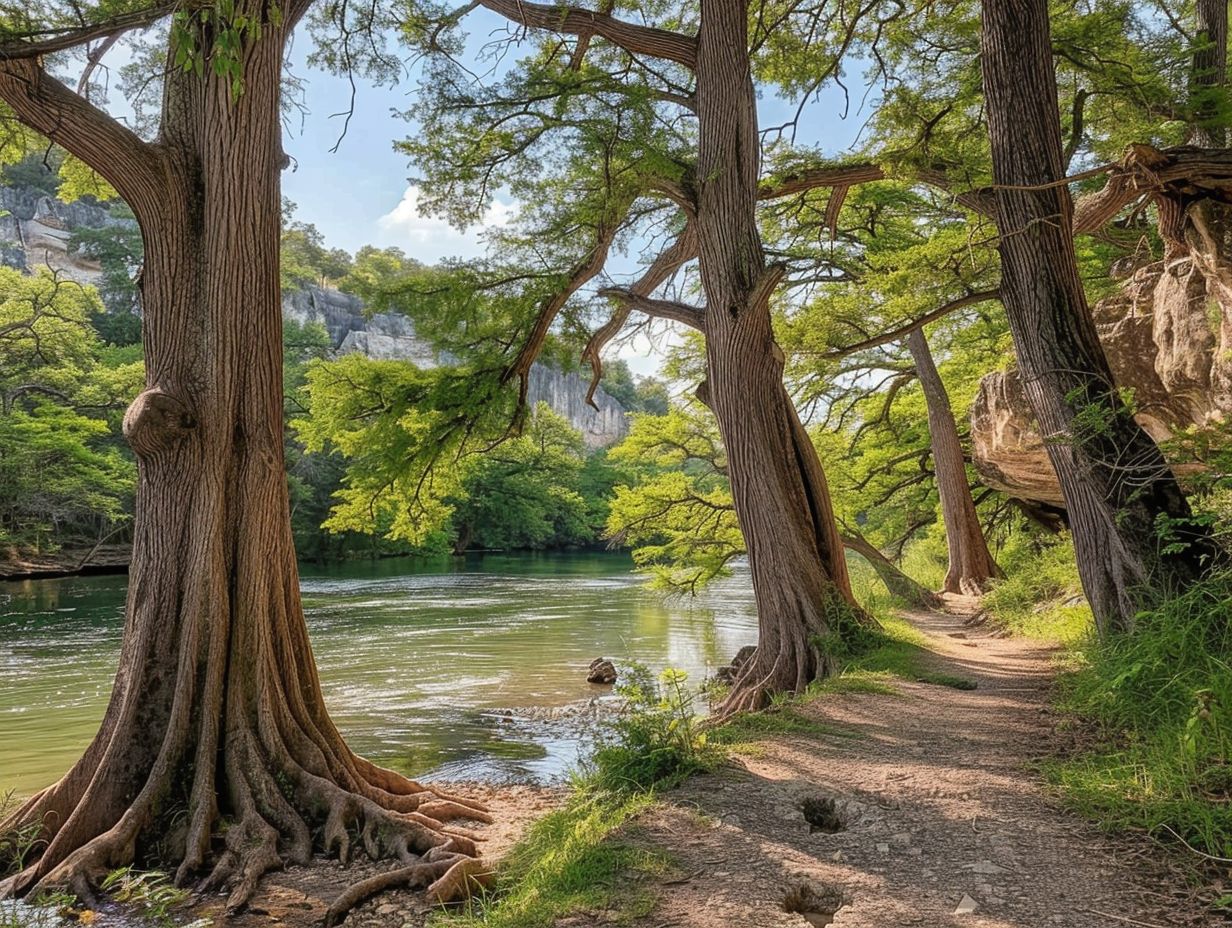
<point x="942" y="812"/>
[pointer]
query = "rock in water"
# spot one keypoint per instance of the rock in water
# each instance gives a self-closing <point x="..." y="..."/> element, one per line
<point x="729" y="673"/>
<point x="602" y="671"/>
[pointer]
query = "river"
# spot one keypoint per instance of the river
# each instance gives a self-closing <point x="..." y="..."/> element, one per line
<point x="470" y="668"/>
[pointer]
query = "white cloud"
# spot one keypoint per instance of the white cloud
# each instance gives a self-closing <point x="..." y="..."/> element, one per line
<point x="430" y="238"/>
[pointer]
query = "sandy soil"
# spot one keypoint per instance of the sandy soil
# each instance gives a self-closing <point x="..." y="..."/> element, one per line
<point x="946" y="822"/>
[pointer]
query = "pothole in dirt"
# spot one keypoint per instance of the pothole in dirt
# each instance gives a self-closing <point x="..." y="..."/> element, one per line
<point x="816" y="904"/>
<point x="823" y="814"/>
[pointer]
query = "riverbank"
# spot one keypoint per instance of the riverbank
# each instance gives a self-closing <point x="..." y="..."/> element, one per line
<point x="881" y="802"/>
<point x="884" y="803"/>
<point x="67" y="562"/>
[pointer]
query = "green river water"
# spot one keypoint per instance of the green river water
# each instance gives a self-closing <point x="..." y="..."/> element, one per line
<point x="456" y="669"/>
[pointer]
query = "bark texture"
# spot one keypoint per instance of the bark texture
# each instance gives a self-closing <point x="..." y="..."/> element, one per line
<point x="1115" y="481"/>
<point x="1210" y="71"/>
<point x="778" y="487"/>
<point x="971" y="564"/>
<point x="216" y="712"/>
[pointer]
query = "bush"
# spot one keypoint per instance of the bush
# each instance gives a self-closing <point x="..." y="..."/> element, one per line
<point x="657" y="740"/>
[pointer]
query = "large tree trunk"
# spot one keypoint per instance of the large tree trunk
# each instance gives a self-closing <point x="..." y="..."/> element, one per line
<point x="781" y="499"/>
<point x="1116" y="483"/>
<point x="216" y="709"/>
<point x="971" y="564"/>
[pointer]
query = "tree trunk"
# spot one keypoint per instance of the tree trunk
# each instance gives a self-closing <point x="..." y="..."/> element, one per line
<point x="971" y="563"/>
<point x="779" y="490"/>
<point x="897" y="582"/>
<point x="216" y="710"/>
<point x="1210" y="72"/>
<point x="1116" y="484"/>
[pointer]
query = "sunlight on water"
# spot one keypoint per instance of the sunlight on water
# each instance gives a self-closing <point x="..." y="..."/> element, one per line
<point x="430" y="669"/>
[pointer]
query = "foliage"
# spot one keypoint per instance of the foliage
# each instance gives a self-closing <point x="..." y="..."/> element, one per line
<point x="635" y="394"/>
<point x="150" y="893"/>
<point x="1158" y="705"/>
<point x="118" y="249"/>
<point x="62" y="474"/>
<point x="657" y="741"/>
<point x="305" y="259"/>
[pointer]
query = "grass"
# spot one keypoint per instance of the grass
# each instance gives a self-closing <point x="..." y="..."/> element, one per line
<point x="898" y="651"/>
<point x="1041" y="596"/>
<point x="576" y="860"/>
<point x="1156" y="707"/>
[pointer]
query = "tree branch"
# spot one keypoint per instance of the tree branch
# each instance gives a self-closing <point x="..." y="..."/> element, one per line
<point x="635" y="39"/>
<point x="45" y="42"/>
<point x="582" y="272"/>
<point x="672" y="310"/>
<point x="903" y="330"/>
<point x="115" y="152"/>
<point x="1149" y="170"/>
<point x="681" y="251"/>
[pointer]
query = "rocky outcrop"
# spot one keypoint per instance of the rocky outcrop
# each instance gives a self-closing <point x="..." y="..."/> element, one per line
<point x="35" y="229"/>
<point x="1167" y="335"/>
<point x="383" y="336"/>
<point x="565" y="393"/>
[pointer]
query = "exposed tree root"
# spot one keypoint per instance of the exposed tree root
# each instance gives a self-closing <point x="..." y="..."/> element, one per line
<point x="448" y="877"/>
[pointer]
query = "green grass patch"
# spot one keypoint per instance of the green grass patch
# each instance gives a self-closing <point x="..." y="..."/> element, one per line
<point x="576" y="860"/>
<point x="896" y="651"/>
<point x="1041" y="596"/>
<point x="1157" y="705"/>
<point x="777" y="721"/>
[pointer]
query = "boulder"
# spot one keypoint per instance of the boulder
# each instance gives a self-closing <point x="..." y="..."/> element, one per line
<point x="1168" y="336"/>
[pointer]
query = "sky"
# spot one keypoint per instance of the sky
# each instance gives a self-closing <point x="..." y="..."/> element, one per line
<point x="362" y="193"/>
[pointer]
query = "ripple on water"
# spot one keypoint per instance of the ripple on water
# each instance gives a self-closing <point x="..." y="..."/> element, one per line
<point x="417" y="668"/>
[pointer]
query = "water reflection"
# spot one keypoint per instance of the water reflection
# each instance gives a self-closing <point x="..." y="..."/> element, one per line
<point x="427" y="668"/>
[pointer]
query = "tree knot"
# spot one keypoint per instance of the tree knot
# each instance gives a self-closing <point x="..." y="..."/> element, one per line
<point x="156" y="421"/>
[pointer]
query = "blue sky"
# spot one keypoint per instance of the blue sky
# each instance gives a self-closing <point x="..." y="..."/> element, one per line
<point x="361" y="194"/>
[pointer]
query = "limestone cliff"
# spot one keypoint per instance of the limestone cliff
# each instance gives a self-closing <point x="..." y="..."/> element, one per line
<point x="35" y="229"/>
<point x="1168" y="336"/>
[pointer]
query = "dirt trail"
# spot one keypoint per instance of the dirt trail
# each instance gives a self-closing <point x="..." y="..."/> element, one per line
<point x="943" y="811"/>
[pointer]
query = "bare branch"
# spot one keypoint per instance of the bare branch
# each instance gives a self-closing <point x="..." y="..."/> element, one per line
<point x="635" y="39"/>
<point x="692" y="316"/>
<point x="681" y="251"/>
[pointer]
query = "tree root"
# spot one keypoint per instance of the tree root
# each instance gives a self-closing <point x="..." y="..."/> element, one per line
<point x="448" y="877"/>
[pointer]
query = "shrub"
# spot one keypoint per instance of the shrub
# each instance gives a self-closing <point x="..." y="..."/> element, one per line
<point x="657" y="740"/>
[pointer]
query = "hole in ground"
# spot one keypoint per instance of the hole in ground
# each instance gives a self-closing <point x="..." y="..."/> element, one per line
<point x="816" y="904"/>
<point x="822" y="815"/>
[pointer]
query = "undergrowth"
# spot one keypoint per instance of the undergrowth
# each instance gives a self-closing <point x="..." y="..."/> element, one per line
<point x="1158" y="703"/>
